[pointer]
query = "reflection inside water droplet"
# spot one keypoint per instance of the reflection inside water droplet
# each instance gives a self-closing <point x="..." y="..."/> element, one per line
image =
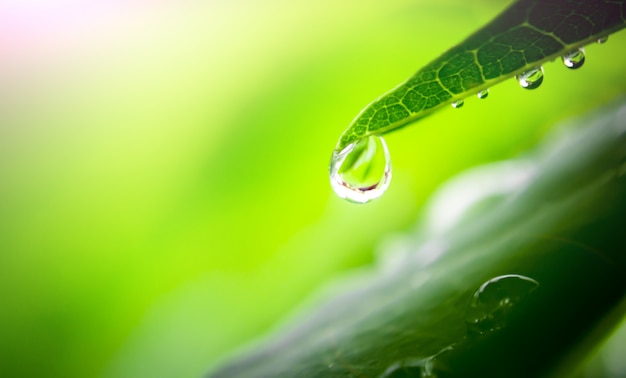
<point x="361" y="172"/>
<point x="493" y="303"/>
<point x="531" y="79"/>
<point x="574" y="59"/>
<point x="457" y="104"/>
<point x="483" y="94"/>
<point x="602" y="40"/>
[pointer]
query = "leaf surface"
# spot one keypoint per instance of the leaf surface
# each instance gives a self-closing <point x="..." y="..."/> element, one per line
<point x="556" y="217"/>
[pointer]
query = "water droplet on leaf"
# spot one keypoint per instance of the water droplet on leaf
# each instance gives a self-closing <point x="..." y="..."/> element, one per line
<point x="531" y="79"/>
<point x="495" y="300"/>
<point x="602" y="40"/>
<point x="483" y="94"/>
<point x="574" y="59"/>
<point x="361" y="172"/>
<point x="457" y="104"/>
<point x="416" y="367"/>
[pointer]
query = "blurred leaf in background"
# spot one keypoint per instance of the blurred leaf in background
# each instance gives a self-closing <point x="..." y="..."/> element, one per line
<point x="164" y="194"/>
<point x="515" y="270"/>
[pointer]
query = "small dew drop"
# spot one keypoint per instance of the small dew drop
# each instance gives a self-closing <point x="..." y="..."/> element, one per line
<point x="361" y="172"/>
<point x="531" y="79"/>
<point x="495" y="300"/>
<point x="458" y="104"/>
<point x="416" y="367"/>
<point x="574" y="59"/>
<point x="603" y="39"/>
<point x="483" y="94"/>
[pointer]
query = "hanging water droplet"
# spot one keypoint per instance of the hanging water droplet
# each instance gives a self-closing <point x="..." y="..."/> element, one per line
<point x="483" y="94"/>
<point x="602" y="40"/>
<point x="457" y="104"/>
<point x="574" y="59"/>
<point x="531" y="79"/>
<point x="361" y="172"/>
<point x="493" y="302"/>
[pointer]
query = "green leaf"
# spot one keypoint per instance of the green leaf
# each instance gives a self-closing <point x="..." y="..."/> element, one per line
<point x="526" y="35"/>
<point x="555" y="216"/>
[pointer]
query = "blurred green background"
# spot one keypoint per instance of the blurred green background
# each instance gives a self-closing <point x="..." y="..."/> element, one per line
<point x="164" y="192"/>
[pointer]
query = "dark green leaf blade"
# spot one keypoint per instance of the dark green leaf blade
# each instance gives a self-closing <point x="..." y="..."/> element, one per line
<point x="526" y="35"/>
<point x="560" y="225"/>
